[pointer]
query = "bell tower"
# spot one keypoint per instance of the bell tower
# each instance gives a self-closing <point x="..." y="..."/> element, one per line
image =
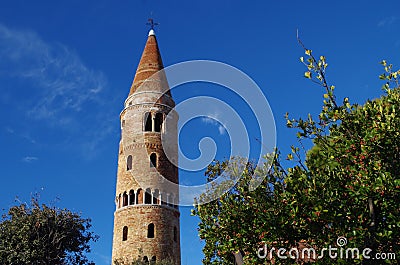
<point x="146" y="219"/>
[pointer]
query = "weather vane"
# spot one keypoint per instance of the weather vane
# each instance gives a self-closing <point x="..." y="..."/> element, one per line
<point x="151" y="23"/>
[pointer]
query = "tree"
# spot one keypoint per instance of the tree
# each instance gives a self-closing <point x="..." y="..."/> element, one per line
<point x="39" y="234"/>
<point x="347" y="186"/>
<point x="236" y="222"/>
<point x="353" y="169"/>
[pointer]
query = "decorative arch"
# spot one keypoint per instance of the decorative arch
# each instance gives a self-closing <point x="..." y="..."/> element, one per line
<point x="171" y="202"/>
<point x="153" y="160"/>
<point x="164" y="199"/>
<point x="147" y="196"/>
<point x="156" y="196"/>
<point x="158" y="121"/>
<point x="129" y="162"/>
<point x="125" y="233"/>
<point x="131" y="197"/>
<point x="124" y="199"/>
<point x="139" y="196"/>
<point x="150" y="230"/>
<point x="147" y="126"/>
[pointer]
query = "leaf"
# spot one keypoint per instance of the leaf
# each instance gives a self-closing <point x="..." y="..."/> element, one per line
<point x="307" y="74"/>
<point x="308" y="52"/>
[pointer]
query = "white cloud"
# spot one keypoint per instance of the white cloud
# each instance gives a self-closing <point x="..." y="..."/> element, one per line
<point x="26" y="136"/>
<point x="221" y="130"/>
<point x="214" y="122"/>
<point x="9" y="130"/>
<point x="29" y="159"/>
<point x="59" y="90"/>
<point x="63" y="82"/>
<point x="208" y="120"/>
<point x="387" y="21"/>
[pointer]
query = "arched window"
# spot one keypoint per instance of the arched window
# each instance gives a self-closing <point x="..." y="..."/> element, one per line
<point x="139" y="196"/>
<point x="153" y="260"/>
<point x="119" y="200"/>
<point x="125" y="233"/>
<point x="171" y="200"/>
<point x="132" y="197"/>
<point x="129" y="163"/>
<point x="156" y="195"/>
<point x="158" y="122"/>
<point x="153" y="160"/>
<point x="124" y="199"/>
<point x="145" y="259"/>
<point x="147" y="197"/>
<point x="147" y="122"/>
<point x="175" y="234"/>
<point x="150" y="231"/>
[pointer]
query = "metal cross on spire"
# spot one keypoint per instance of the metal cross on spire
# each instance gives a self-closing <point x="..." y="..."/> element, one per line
<point x="151" y="23"/>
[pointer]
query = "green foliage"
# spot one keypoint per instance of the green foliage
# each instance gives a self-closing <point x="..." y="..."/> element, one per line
<point x="237" y="220"/>
<point x="351" y="177"/>
<point x="348" y="185"/>
<point x="38" y="234"/>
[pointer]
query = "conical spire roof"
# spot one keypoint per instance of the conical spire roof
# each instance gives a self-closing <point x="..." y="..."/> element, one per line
<point x="150" y="63"/>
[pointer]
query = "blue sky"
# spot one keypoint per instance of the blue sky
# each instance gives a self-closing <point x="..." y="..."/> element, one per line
<point x="66" y="68"/>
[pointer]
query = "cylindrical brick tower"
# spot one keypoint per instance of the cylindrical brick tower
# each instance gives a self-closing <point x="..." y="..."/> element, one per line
<point x="146" y="219"/>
